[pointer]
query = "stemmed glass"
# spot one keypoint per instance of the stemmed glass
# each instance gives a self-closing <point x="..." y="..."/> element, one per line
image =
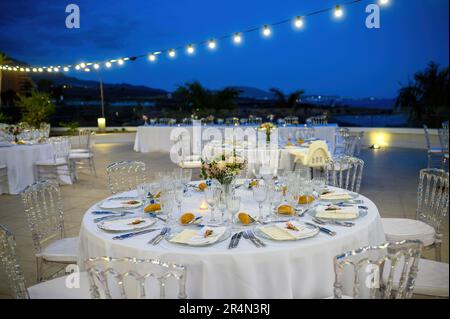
<point x="319" y="183"/>
<point x="178" y="195"/>
<point x="260" y="195"/>
<point x="233" y="206"/>
<point x="275" y="199"/>
<point x="186" y="176"/>
<point x="211" y="195"/>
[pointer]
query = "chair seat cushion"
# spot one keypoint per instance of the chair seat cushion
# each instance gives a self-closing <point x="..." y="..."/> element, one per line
<point x="398" y="229"/>
<point x="80" y="155"/>
<point x="57" y="288"/>
<point x="192" y="164"/>
<point x="432" y="278"/>
<point x="79" y="150"/>
<point x="62" y="250"/>
<point x="58" y="161"/>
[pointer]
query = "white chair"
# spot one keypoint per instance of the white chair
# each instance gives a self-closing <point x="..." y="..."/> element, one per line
<point x="432" y="152"/>
<point x="59" y="165"/>
<point x="345" y="172"/>
<point x="359" y="273"/>
<point x="125" y="176"/>
<point x="112" y="278"/>
<point x="432" y="207"/>
<point x="44" y="212"/>
<point x="52" y="289"/>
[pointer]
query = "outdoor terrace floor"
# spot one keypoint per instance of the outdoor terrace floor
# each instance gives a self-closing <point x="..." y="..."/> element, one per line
<point x="390" y="180"/>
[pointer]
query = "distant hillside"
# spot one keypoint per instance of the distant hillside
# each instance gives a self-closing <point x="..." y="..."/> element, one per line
<point x="247" y="92"/>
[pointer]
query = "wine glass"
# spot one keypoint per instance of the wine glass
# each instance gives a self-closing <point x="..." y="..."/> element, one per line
<point x="186" y="176"/>
<point x="275" y="199"/>
<point x="166" y="201"/>
<point x="260" y="195"/>
<point x="142" y="191"/>
<point x="178" y="195"/>
<point x="319" y="183"/>
<point x="211" y="196"/>
<point x="233" y="206"/>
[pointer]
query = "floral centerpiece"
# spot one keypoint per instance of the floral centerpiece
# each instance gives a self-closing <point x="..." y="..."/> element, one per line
<point x="268" y="128"/>
<point x="223" y="169"/>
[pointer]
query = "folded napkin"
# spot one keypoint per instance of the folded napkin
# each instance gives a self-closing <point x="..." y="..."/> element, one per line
<point x="196" y="238"/>
<point x="111" y="204"/>
<point x="348" y="212"/>
<point x="338" y="195"/>
<point x="279" y="231"/>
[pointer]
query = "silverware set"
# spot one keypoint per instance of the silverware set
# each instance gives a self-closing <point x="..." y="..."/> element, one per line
<point x="133" y="234"/>
<point x="322" y="229"/>
<point x="235" y="240"/>
<point x="155" y="240"/>
<point x="332" y="222"/>
<point x="111" y="217"/>
<point x="248" y="234"/>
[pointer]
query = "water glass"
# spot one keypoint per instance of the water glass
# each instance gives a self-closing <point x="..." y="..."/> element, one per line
<point x="212" y="194"/>
<point x="233" y="206"/>
<point x="166" y="201"/>
<point x="319" y="185"/>
<point x="179" y="195"/>
<point x="260" y="195"/>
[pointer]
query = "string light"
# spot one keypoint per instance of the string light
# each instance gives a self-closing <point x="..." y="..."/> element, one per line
<point x="266" y="31"/>
<point x="237" y="37"/>
<point x="190" y="49"/>
<point x="87" y="70"/>
<point x="212" y="44"/>
<point x="298" y="23"/>
<point x="338" y="12"/>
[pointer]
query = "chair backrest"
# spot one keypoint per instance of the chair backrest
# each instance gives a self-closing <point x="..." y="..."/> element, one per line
<point x="318" y="154"/>
<point x="350" y="145"/>
<point x="427" y="137"/>
<point x="60" y="147"/>
<point x="10" y="264"/>
<point x="366" y="267"/>
<point x="443" y="138"/>
<point x="432" y="197"/>
<point x="44" y="211"/>
<point x="345" y="172"/>
<point x="84" y="138"/>
<point x="445" y="125"/>
<point x="125" y="176"/>
<point x="124" y="278"/>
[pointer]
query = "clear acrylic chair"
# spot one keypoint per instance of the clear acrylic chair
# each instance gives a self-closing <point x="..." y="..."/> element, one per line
<point x="432" y="207"/>
<point x="125" y="176"/>
<point x="443" y="140"/>
<point x="59" y="165"/>
<point x="44" y="211"/>
<point x="305" y="133"/>
<point x="340" y="135"/>
<point x="345" y="172"/>
<point x="387" y="271"/>
<point x="52" y="289"/>
<point x="433" y="153"/>
<point x="83" y="156"/>
<point x="132" y="278"/>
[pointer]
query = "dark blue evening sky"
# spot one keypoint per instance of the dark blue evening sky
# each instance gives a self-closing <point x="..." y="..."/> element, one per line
<point x="326" y="57"/>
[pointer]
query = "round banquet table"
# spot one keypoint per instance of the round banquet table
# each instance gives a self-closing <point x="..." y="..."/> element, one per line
<point x="20" y="160"/>
<point x="295" y="269"/>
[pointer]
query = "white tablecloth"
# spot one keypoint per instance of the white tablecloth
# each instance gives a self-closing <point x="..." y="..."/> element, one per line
<point x="19" y="160"/>
<point x="301" y="269"/>
<point x="156" y="138"/>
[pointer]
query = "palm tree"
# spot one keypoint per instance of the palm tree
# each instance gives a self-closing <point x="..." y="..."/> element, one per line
<point x="287" y="101"/>
<point x="426" y="97"/>
<point x="4" y="60"/>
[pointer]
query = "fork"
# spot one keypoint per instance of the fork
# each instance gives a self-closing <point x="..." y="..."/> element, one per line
<point x="99" y="219"/>
<point x="259" y="241"/>
<point x="247" y="236"/>
<point x="155" y="240"/>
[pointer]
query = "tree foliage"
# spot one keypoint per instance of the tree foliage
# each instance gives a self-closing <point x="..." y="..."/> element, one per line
<point x="36" y="108"/>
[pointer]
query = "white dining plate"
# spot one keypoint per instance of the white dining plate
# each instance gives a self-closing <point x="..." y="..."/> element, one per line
<point x="224" y="236"/>
<point x="308" y="232"/>
<point x="127" y="203"/>
<point x="361" y="213"/>
<point x="125" y="224"/>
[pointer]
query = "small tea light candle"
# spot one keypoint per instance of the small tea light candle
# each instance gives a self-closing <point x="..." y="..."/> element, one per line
<point x="203" y="205"/>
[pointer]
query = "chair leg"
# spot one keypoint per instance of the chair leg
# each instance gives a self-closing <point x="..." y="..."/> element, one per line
<point x="437" y="251"/>
<point x="295" y="165"/>
<point x="92" y="164"/>
<point x="39" y="265"/>
<point x="429" y="161"/>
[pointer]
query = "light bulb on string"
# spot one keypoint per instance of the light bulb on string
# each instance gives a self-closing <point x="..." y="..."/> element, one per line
<point x="266" y="31"/>
<point x="82" y="65"/>
<point x="96" y="66"/>
<point x="49" y="70"/>
<point x="152" y="57"/>
<point x="237" y="38"/>
<point x="108" y="64"/>
<point x="34" y="70"/>
<point x="298" y="23"/>
<point x="190" y="49"/>
<point x="87" y="70"/>
<point x="172" y="53"/>
<point x="27" y="70"/>
<point x="383" y="2"/>
<point x="77" y="67"/>
<point x="40" y="70"/>
<point x="338" y="12"/>
<point x="212" y="44"/>
<point x="120" y="61"/>
<point x="56" y="69"/>
<point x="66" y="69"/>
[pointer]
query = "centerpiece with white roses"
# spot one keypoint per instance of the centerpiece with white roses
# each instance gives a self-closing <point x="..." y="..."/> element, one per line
<point x="223" y="169"/>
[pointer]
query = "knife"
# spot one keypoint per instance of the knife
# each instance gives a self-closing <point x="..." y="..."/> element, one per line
<point x="323" y="229"/>
<point x="107" y="212"/>
<point x="128" y="235"/>
<point x="156" y="216"/>
<point x="236" y="241"/>
<point x="233" y="238"/>
<point x="108" y="217"/>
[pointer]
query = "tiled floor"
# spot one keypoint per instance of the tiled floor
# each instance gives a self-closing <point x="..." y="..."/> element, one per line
<point x="390" y="180"/>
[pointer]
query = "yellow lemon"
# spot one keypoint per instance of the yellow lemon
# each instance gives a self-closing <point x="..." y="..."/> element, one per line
<point x="152" y="208"/>
<point x="202" y="186"/>
<point x="186" y="218"/>
<point x="285" y="210"/>
<point x="245" y="218"/>
<point x="305" y="199"/>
